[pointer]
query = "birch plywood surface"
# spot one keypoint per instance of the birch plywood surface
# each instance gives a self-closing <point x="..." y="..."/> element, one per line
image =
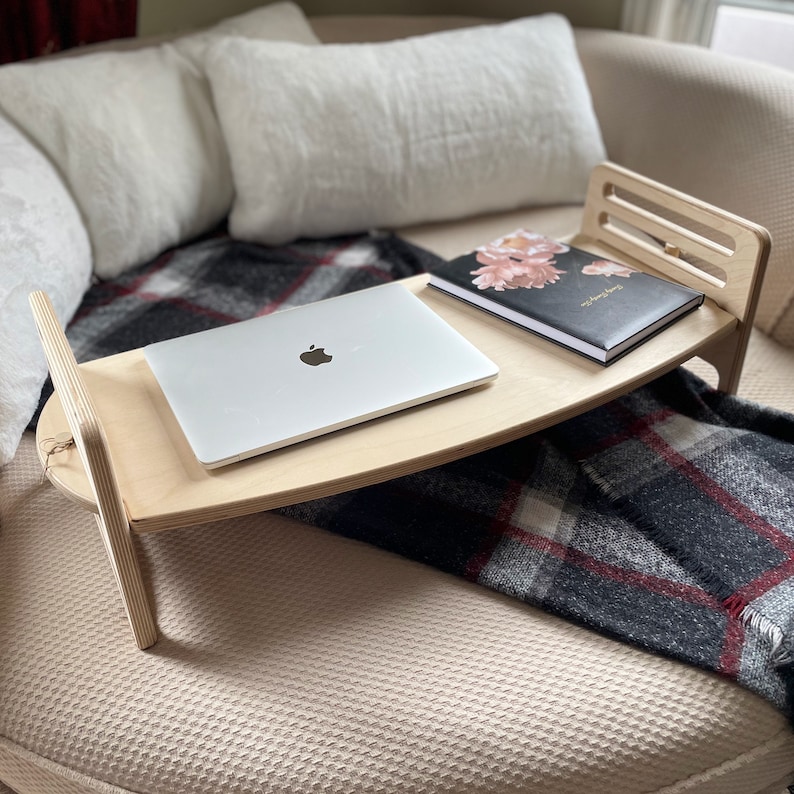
<point x="540" y="384"/>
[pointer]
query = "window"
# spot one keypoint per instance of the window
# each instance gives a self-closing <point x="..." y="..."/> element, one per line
<point x="675" y="20"/>
<point x="762" y="31"/>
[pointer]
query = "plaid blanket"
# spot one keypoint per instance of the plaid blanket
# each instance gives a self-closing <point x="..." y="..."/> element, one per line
<point x="664" y="518"/>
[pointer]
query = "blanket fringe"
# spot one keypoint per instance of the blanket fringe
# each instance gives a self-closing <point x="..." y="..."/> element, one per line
<point x="770" y="631"/>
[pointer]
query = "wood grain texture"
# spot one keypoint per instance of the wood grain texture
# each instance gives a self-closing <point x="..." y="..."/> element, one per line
<point x="98" y="467"/>
<point x="683" y="239"/>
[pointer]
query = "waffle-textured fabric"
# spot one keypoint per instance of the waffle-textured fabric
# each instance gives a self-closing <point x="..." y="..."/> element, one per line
<point x="296" y="661"/>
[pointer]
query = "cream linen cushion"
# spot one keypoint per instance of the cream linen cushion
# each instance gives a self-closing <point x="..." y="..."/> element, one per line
<point x="135" y="136"/>
<point x="44" y="246"/>
<point x="351" y="137"/>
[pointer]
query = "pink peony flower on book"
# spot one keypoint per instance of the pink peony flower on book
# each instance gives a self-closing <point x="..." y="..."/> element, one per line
<point x="530" y="274"/>
<point x="603" y="267"/>
<point x="521" y="259"/>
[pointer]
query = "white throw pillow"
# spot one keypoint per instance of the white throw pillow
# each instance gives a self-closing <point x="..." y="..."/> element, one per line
<point x="344" y="138"/>
<point x="44" y="246"/>
<point x="135" y="135"/>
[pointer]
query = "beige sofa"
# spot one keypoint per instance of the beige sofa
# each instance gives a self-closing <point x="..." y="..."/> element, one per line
<point x="293" y="660"/>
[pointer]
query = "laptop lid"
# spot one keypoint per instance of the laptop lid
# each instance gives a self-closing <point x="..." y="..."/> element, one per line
<point x="254" y="386"/>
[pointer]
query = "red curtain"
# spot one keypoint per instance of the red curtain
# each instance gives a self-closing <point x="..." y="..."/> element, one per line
<point x="36" y="27"/>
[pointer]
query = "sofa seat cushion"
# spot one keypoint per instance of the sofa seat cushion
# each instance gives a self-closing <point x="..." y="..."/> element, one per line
<point x="290" y="656"/>
<point x="351" y="137"/>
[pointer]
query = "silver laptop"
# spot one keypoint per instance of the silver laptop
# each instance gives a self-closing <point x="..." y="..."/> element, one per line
<point x="254" y="386"/>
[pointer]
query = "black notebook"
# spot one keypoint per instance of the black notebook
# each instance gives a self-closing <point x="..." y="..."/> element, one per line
<point x="597" y="307"/>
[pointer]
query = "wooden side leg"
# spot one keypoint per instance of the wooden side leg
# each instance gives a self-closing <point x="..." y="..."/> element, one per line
<point x="727" y="357"/>
<point x="89" y="438"/>
<point x="124" y="563"/>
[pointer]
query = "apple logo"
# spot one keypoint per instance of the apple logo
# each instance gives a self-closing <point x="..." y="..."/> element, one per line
<point x="315" y="356"/>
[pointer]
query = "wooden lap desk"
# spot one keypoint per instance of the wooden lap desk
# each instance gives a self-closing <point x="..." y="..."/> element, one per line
<point x="132" y="467"/>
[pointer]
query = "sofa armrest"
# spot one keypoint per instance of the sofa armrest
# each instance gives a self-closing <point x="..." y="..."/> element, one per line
<point x="716" y="127"/>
